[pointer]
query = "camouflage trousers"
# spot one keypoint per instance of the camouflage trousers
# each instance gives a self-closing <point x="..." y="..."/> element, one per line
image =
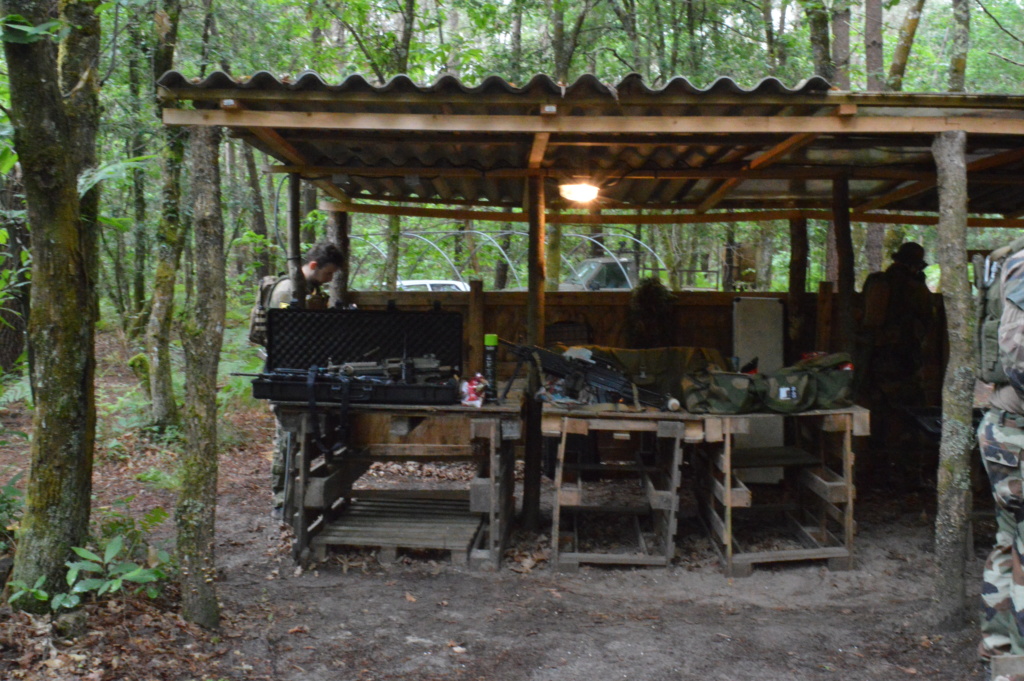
<point x="1001" y="440"/>
<point x="282" y="441"/>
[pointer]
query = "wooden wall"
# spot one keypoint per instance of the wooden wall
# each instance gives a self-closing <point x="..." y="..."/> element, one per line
<point x="701" y="319"/>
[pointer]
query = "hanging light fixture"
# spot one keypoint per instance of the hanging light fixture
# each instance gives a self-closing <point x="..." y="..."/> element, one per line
<point x="580" y="192"/>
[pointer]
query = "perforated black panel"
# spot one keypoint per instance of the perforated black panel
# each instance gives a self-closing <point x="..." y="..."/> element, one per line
<point x="299" y="339"/>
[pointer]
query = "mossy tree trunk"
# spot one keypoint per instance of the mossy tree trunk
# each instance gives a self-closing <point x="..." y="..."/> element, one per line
<point x="169" y="242"/>
<point x="202" y="333"/>
<point x="953" y="480"/>
<point x="55" y="137"/>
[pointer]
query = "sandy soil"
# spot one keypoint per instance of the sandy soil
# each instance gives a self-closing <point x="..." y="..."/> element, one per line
<point x="352" y="618"/>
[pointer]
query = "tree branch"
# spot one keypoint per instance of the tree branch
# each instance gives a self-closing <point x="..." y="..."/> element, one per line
<point x="1001" y="27"/>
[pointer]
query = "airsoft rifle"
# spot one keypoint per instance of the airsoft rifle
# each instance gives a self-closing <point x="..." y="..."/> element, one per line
<point x="581" y="371"/>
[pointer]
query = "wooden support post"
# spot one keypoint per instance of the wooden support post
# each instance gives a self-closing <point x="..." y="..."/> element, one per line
<point x="294" y="241"/>
<point x="475" y="328"/>
<point x="823" y="330"/>
<point x="338" y="225"/>
<point x="798" y="252"/>
<point x="534" y="336"/>
<point x="844" y="254"/>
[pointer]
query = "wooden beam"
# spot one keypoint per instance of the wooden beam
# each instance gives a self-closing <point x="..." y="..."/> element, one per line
<point x="663" y="125"/>
<point x="937" y="100"/>
<point x="540" y="146"/>
<point x="534" y="441"/>
<point x="285" y="150"/>
<point x="605" y="218"/>
<point x="924" y="185"/>
<point x="724" y="171"/>
<point x="767" y="158"/>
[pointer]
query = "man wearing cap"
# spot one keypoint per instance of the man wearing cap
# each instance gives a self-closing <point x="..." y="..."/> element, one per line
<point x="898" y="312"/>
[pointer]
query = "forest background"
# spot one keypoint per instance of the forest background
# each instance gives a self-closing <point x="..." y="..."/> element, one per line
<point x="170" y="229"/>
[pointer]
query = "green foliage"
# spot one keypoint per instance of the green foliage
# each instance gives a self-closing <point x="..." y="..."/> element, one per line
<point x="161" y="479"/>
<point x="19" y="589"/>
<point x="110" y="572"/>
<point x="18" y="29"/>
<point x="12" y="503"/>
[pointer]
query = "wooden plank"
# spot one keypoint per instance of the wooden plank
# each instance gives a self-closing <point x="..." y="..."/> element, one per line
<point x="862" y="423"/>
<point x="825" y="484"/>
<point x="787" y="555"/>
<point x="417" y="452"/>
<point x="836" y="423"/>
<point x="484" y="428"/>
<point x="717" y="525"/>
<point x="714" y="431"/>
<point x="693" y="431"/>
<point x="766" y="158"/>
<point x="480" y="495"/>
<point x="461" y="495"/>
<point x="739" y="496"/>
<point x="613" y="558"/>
<point x="570" y="495"/>
<point x="575" y="426"/>
<point x="679" y="125"/>
<point x="321" y="492"/>
<point x="673" y="429"/>
<point x="623" y="424"/>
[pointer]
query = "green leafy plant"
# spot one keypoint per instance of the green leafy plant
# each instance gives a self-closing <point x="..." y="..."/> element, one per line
<point x="19" y="589"/>
<point x="11" y="504"/>
<point x="109" y="573"/>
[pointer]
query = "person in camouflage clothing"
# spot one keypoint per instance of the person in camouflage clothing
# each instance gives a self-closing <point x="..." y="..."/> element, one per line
<point x="318" y="267"/>
<point x="1001" y="441"/>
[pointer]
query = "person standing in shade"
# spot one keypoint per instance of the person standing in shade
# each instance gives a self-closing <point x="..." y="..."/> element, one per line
<point x="319" y="266"/>
<point x="898" y="313"/>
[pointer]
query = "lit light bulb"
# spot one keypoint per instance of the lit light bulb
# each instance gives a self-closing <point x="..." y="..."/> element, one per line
<point x="580" y="193"/>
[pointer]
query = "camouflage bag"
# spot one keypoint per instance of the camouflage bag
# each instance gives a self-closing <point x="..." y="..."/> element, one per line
<point x="833" y="378"/>
<point x="258" y="314"/>
<point x="989" y="309"/>
<point x="722" y="392"/>
<point x="790" y="390"/>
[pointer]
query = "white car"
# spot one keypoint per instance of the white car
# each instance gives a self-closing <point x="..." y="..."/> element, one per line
<point x="432" y="285"/>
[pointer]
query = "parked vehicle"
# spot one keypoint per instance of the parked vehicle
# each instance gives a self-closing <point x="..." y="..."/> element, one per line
<point x="602" y="274"/>
<point x="432" y="285"/>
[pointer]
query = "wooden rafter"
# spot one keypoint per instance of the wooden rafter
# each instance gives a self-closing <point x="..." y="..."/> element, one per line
<point x="538" y="149"/>
<point x="924" y="185"/>
<point x="274" y="140"/>
<point x="652" y="219"/>
<point x="769" y="157"/>
<point x="677" y="125"/>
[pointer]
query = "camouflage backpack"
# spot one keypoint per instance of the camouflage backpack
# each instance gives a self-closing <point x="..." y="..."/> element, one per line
<point x="987" y="279"/>
<point x="258" y="314"/>
<point x="713" y="391"/>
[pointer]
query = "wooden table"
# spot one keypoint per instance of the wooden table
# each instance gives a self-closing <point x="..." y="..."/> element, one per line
<point x="323" y="508"/>
<point x="819" y="466"/>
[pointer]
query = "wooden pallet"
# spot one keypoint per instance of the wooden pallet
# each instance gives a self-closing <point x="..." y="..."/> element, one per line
<point x="396" y="523"/>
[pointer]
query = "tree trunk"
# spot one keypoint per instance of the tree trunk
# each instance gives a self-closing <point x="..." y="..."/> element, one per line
<point x="394" y="236"/>
<point x="875" y="66"/>
<point x="961" y="43"/>
<point x="841" y="44"/>
<point x="137" y="148"/>
<point x="953" y="480"/>
<point x="201" y="337"/>
<point x="169" y="239"/>
<point x="898" y="65"/>
<point x="821" y="53"/>
<point x="169" y="242"/>
<point x="259" y="214"/>
<point x="799" y="249"/>
<point x="501" y="269"/>
<point x="55" y="140"/>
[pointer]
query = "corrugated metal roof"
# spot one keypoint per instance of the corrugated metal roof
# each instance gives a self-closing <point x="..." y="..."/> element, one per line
<point x="679" y="147"/>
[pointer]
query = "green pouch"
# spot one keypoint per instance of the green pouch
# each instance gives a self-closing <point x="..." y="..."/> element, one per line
<point x="833" y="376"/>
<point x="721" y="392"/>
<point x="790" y="390"/>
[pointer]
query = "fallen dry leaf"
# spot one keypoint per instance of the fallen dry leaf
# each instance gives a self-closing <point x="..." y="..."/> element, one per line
<point x="409" y="597"/>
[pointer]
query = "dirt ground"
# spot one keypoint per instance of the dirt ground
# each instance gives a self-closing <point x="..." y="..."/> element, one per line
<point x="422" y="618"/>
